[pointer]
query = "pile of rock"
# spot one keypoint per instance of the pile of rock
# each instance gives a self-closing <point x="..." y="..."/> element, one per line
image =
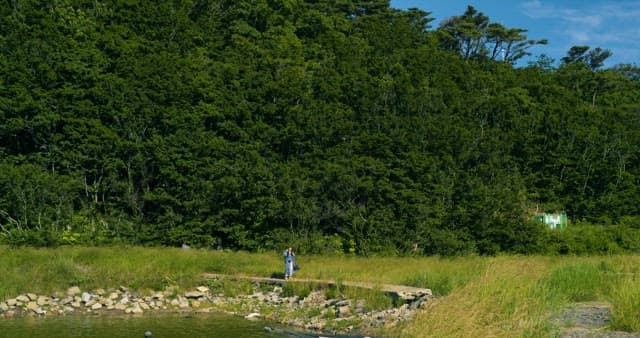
<point x="314" y="312"/>
<point x="77" y="301"/>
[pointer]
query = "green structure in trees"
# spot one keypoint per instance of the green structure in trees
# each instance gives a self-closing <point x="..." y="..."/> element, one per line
<point x="556" y="220"/>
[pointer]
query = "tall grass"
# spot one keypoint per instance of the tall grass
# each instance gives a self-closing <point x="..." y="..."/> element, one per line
<point x="517" y="297"/>
<point x="50" y="270"/>
<point x="478" y="296"/>
<point x="420" y="272"/>
<point x="626" y="304"/>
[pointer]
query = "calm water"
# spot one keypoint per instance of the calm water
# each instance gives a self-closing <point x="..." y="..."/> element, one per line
<point x="112" y="326"/>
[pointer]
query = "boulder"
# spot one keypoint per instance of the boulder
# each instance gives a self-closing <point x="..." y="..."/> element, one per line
<point x="85" y="297"/>
<point x="42" y="300"/>
<point x="194" y="294"/>
<point x="22" y="299"/>
<point x="344" y="311"/>
<point x="73" y="291"/>
<point x="253" y="316"/>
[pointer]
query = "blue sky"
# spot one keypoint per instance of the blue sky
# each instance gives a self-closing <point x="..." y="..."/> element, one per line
<point x="612" y="24"/>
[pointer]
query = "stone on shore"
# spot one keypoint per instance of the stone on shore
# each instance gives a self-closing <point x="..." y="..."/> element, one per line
<point x="73" y="291"/>
<point x="312" y="311"/>
<point x="194" y="294"/>
<point x="253" y="316"/>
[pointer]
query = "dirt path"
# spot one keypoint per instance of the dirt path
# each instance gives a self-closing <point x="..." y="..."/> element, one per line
<point x="401" y="291"/>
<point x="589" y="320"/>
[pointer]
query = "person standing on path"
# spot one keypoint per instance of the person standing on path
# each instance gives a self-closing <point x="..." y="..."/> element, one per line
<point x="289" y="263"/>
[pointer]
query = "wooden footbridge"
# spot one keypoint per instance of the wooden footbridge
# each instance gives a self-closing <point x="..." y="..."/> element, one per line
<point x="407" y="293"/>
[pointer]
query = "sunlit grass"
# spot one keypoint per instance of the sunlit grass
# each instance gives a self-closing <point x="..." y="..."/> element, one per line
<point x="508" y="296"/>
<point x="517" y="296"/>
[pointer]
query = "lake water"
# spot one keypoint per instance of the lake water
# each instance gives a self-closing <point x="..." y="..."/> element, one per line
<point x="113" y="326"/>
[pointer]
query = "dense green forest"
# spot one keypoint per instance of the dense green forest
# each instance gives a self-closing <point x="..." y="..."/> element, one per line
<point x="339" y="127"/>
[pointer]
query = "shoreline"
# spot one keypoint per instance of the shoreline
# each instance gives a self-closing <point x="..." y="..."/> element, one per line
<point x="313" y="312"/>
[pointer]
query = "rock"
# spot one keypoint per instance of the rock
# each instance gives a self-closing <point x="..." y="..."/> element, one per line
<point x="194" y="294"/>
<point x="316" y="325"/>
<point x="22" y="299"/>
<point x="134" y="310"/>
<point x="40" y="312"/>
<point x="120" y="307"/>
<point x="73" y="291"/>
<point x="96" y="306"/>
<point x="114" y="295"/>
<point x="85" y="297"/>
<point x="12" y="302"/>
<point x="253" y="316"/>
<point x="4" y="307"/>
<point x="32" y="296"/>
<point x="344" y="302"/>
<point x="202" y="289"/>
<point x="66" y="300"/>
<point x="42" y="300"/>
<point x="344" y="311"/>
<point x="32" y="306"/>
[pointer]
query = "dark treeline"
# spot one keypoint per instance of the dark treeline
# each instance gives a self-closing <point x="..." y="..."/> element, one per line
<point x="334" y="126"/>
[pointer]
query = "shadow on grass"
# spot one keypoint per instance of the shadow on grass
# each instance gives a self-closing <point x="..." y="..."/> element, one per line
<point x="279" y="275"/>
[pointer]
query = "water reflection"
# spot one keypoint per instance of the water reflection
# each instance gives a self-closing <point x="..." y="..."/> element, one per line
<point x="117" y="326"/>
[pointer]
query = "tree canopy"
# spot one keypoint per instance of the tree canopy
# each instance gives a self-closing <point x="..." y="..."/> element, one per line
<point x="333" y="126"/>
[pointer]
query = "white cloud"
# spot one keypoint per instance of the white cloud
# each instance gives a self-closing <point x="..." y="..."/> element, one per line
<point x="607" y="24"/>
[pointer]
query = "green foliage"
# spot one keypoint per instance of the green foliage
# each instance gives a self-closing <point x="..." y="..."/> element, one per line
<point x="350" y="129"/>
<point x="586" y="238"/>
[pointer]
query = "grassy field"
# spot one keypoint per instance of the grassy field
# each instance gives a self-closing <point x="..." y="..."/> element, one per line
<point x="508" y="296"/>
